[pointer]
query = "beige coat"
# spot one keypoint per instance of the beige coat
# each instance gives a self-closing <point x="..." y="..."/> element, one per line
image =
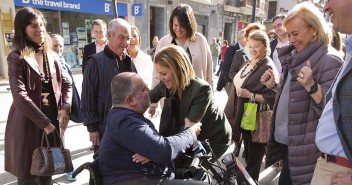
<point x="201" y="57"/>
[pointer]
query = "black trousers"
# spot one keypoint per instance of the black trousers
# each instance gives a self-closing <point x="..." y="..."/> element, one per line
<point x="285" y="177"/>
<point x="45" y="180"/>
<point x="254" y="155"/>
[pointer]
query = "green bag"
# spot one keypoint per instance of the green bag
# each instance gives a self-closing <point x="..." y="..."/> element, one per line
<point x="249" y="117"/>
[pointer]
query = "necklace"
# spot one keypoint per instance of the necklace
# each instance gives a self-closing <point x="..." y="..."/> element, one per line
<point x="250" y="71"/>
<point x="46" y="76"/>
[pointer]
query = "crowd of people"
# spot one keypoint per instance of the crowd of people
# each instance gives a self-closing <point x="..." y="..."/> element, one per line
<point x="298" y="71"/>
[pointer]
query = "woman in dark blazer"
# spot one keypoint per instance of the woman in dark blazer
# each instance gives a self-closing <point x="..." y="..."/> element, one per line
<point x="41" y="95"/>
<point x="247" y="86"/>
<point x="192" y="98"/>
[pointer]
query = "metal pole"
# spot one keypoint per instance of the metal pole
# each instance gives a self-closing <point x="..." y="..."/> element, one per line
<point x="114" y="8"/>
<point x="253" y="10"/>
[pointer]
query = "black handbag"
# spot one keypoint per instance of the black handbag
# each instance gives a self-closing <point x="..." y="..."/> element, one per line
<point x="48" y="161"/>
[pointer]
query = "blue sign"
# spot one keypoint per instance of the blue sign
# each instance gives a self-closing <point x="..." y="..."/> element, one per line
<point x="85" y="6"/>
<point x="137" y="9"/>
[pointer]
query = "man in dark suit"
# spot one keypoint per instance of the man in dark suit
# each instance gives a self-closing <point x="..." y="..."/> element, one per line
<point x="100" y="69"/>
<point x="224" y="79"/>
<point x="99" y="32"/>
<point x="280" y="41"/>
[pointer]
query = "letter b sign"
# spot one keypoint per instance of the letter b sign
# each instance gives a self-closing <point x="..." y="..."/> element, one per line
<point x="137" y="9"/>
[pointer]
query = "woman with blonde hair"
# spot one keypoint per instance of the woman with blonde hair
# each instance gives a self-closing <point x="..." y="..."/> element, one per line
<point x="188" y="96"/>
<point x="247" y="89"/>
<point x="141" y="60"/>
<point x="309" y="66"/>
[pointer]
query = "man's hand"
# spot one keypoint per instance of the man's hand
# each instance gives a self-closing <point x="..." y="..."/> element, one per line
<point x="193" y="126"/>
<point x="63" y="118"/>
<point x="341" y="179"/>
<point x="188" y="123"/>
<point x="140" y="159"/>
<point x="196" y="128"/>
<point x="94" y="137"/>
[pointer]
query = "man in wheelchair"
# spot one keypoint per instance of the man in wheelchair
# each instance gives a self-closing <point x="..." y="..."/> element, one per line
<point x="132" y="151"/>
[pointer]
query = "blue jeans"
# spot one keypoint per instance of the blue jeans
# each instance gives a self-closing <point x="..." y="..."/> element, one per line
<point x="215" y="62"/>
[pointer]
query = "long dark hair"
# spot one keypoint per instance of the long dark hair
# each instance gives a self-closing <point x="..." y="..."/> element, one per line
<point x="184" y="14"/>
<point x="24" y="17"/>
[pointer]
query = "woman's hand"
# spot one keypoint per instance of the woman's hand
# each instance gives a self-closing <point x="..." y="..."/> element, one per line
<point x="49" y="129"/>
<point x="305" y="76"/>
<point x="152" y="109"/>
<point x="268" y="78"/>
<point x="63" y="119"/>
<point x="140" y="159"/>
<point x="244" y="93"/>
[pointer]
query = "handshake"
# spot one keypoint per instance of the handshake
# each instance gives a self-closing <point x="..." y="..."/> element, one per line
<point x="193" y="126"/>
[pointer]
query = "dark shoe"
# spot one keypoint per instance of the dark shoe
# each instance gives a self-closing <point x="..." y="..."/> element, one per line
<point x="237" y="151"/>
<point x="217" y="74"/>
<point x="243" y="155"/>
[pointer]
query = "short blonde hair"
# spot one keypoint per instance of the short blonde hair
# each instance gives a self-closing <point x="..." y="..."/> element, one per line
<point x="133" y="27"/>
<point x="313" y="18"/>
<point x="176" y="59"/>
<point x="259" y="35"/>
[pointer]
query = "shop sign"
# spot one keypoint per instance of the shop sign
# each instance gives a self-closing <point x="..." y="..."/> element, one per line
<point x="137" y="9"/>
<point x="84" y="6"/>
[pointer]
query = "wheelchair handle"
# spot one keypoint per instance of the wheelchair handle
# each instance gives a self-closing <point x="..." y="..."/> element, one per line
<point x="79" y="169"/>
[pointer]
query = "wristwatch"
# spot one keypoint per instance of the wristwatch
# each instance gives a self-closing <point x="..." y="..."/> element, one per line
<point x="313" y="88"/>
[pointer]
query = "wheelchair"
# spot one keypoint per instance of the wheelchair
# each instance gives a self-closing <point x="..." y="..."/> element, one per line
<point x="93" y="168"/>
<point x="200" y="169"/>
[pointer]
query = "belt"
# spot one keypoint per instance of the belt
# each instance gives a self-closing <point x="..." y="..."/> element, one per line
<point x="337" y="160"/>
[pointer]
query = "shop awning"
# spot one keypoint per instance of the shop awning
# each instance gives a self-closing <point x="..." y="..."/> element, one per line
<point x="85" y="6"/>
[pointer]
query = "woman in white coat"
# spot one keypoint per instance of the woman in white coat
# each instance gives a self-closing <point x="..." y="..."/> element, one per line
<point x="183" y="27"/>
<point x="141" y="60"/>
